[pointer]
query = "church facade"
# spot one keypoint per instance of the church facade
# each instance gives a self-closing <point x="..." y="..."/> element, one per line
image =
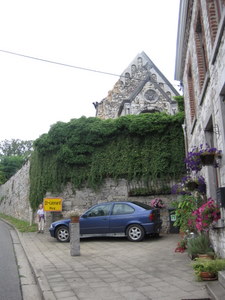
<point x="142" y="88"/>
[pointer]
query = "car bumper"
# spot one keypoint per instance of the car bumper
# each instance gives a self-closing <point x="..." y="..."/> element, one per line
<point x="152" y="227"/>
<point x="52" y="232"/>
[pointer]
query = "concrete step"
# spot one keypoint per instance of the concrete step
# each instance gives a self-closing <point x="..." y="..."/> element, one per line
<point x="216" y="290"/>
<point x="221" y="278"/>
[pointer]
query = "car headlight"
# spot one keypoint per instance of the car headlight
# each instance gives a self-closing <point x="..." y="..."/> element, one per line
<point x="51" y="227"/>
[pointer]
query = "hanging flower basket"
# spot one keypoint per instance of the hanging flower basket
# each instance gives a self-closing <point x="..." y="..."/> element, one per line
<point x="202" y="156"/>
<point x="207" y="159"/>
<point x="191" y="185"/>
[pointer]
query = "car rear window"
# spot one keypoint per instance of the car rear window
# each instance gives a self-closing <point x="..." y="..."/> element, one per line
<point x="143" y="205"/>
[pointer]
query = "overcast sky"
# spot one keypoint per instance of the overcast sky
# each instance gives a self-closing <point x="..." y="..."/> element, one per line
<point x="103" y="35"/>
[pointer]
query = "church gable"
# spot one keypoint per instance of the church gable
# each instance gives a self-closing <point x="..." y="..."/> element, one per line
<point x="142" y="88"/>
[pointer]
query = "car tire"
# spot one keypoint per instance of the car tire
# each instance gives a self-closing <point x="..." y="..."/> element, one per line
<point x="63" y="234"/>
<point x="135" y="233"/>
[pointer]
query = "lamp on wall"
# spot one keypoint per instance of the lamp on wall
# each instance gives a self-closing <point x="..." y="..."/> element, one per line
<point x="216" y="129"/>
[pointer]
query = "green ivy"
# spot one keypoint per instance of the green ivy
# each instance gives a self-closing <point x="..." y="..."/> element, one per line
<point x="86" y="151"/>
<point x="180" y="102"/>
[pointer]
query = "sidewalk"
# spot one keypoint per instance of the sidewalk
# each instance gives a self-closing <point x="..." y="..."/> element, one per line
<point x="112" y="269"/>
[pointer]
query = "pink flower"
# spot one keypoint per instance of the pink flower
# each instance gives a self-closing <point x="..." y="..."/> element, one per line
<point x="206" y="215"/>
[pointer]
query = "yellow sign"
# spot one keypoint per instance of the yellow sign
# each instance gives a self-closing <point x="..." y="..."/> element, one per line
<point x="52" y="204"/>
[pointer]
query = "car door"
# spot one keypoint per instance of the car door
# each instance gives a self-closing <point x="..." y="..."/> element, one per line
<point x="122" y="214"/>
<point x="96" y="220"/>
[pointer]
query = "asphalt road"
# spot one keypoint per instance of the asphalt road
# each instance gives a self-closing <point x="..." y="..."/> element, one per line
<point x="9" y="276"/>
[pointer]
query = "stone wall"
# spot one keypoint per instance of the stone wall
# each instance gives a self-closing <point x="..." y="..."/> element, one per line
<point x="218" y="240"/>
<point x="111" y="190"/>
<point x="14" y="195"/>
<point x="14" y="198"/>
<point x="205" y="107"/>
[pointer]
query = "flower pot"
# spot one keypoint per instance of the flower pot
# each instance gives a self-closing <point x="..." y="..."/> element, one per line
<point x="207" y="159"/>
<point x="208" y="276"/>
<point x="74" y="219"/>
<point x="205" y="256"/>
<point x="192" y="185"/>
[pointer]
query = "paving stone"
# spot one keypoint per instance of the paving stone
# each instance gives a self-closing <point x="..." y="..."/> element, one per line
<point x="116" y="269"/>
<point x="136" y="296"/>
<point x="64" y="294"/>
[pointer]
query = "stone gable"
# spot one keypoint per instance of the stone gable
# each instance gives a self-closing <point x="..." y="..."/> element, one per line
<point x="142" y="88"/>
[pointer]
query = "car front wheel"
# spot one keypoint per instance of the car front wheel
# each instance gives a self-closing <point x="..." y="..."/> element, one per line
<point x="135" y="233"/>
<point x="63" y="234"/>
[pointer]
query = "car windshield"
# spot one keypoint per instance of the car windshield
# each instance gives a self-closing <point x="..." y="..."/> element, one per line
<point x="143" y="205"/>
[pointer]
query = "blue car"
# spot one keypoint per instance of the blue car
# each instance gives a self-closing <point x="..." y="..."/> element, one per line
<point x="131" y="219"/>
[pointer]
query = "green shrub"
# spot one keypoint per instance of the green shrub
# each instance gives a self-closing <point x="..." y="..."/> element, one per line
<point x="199" y="245"/>
<point x="184" y="206"/>
<point x="86" y="151"/>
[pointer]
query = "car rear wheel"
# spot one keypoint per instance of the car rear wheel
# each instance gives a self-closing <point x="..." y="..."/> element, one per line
<point x="63" y="234"/>
<point x="135" y="233"/>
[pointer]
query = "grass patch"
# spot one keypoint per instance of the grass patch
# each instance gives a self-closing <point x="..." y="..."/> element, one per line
<point x="22" y="226"/>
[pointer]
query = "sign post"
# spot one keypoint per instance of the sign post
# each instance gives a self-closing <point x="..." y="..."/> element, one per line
<point x="53" y="204"/>
<point x="52" y="207"/>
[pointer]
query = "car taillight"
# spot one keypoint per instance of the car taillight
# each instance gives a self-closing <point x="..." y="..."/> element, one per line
<point x="152" y="216"/>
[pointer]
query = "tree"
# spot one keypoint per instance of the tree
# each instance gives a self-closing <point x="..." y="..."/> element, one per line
<point x="15" y="147"/>
<point x="13" y="154"/>
<point x="2" y="177"/>
<point x="9" y="165"/>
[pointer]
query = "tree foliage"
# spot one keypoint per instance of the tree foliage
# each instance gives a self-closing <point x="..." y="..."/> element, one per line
<point x="180" y="102"/>
<point x="9" y="165"/>
<point x="13" y="153"/>
<point x="15" y="147"/>
<point x="85" y="151"/>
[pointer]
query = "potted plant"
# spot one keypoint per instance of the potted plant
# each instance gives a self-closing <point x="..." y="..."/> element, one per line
<point x="194" y="183"/>
<point x="157" y="203"/>
<point x="201" y="156"/>
<point x="200" y="246"/>
<point x="206" y="215"/>
<point x="189" y="184"/>
<point x="181" y="245"/>
<point x="207" y="269"/>
<point x="193" y="161"/>
<point x="184" y="207"/>
<point x="180" y="189"/>
<point x="208" y="154"/>
<point x="74" y="215"/>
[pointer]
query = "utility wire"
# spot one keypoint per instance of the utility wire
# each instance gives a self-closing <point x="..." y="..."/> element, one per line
<point x="58" y="63"/>
<point x="63" y="64"/>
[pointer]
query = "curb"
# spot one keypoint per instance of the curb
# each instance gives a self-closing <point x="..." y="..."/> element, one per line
<point x="31" y="285"/>
<point x="41" y="279"/>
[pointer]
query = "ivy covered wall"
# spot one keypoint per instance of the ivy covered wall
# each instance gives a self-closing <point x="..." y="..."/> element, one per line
<point x="85" y="151"/>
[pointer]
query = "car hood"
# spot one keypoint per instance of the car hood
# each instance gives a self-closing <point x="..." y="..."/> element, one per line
<point x="61" y="221"/>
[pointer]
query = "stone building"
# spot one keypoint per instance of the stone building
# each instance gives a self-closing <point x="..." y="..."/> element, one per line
<point x="142" y="88"/>
<point x="200" y="66"/>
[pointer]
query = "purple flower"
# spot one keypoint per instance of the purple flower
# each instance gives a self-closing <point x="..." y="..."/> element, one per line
<point x="193" y="161"/>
